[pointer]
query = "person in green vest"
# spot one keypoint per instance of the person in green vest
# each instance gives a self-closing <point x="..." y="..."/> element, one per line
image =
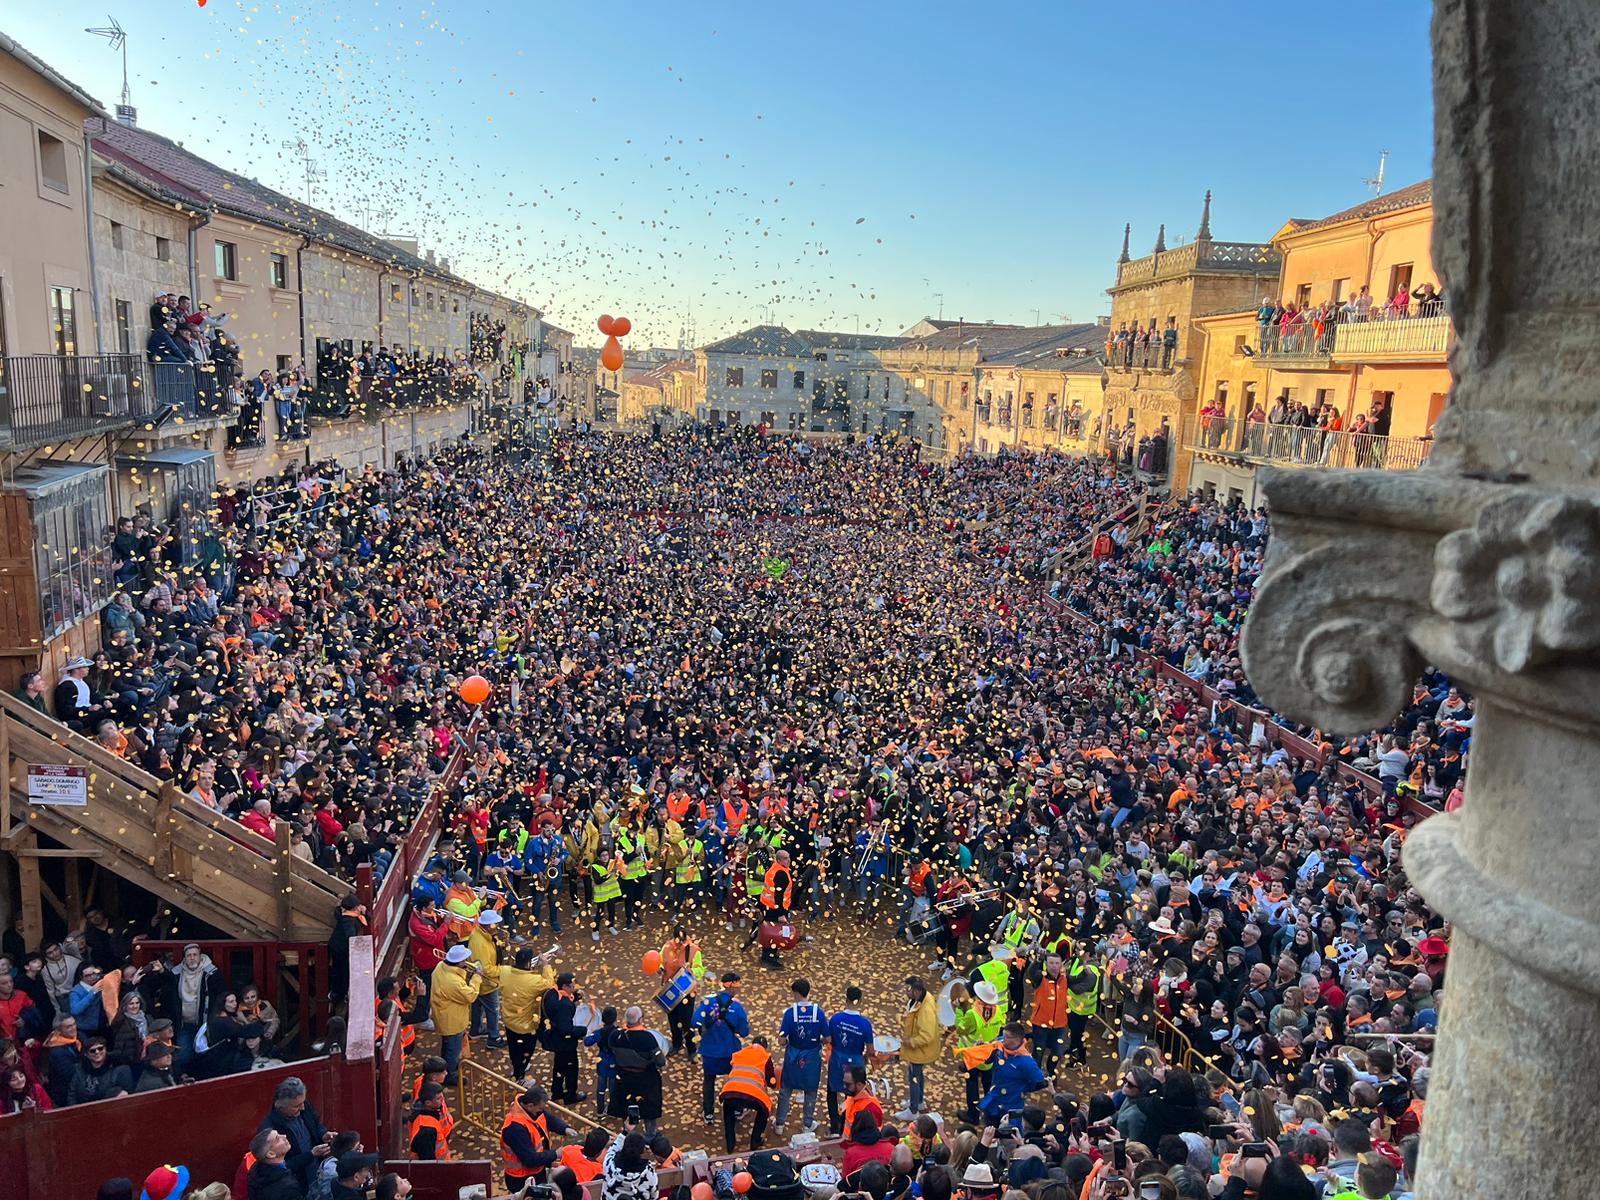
<point x="686" y="876"/>
<point x="1084" y="981"/>
<point x="635" y="873"/>
<point x="997" y="973"/>
<point x="606" y="876"/>
<point x="978" y="1025"/>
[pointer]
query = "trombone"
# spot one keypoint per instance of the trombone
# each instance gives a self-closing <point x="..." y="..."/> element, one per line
<point x="874" y="846"/>
<point x="954" y="903"/>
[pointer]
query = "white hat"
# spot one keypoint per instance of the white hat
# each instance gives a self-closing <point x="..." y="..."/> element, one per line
<point x="1000" y="952"/>
<point x="1162" y="924"/>
<point x="489" y="917"/>
<point x="457" y="954"/>
<point x="978" y="1172"/>
<point x="985" y="991"/>
<point x="77" y="664"/>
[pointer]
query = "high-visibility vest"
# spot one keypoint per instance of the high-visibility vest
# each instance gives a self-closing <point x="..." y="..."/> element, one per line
<point x="748" y="1076"/>
<point x="975" y="1045"/>
<point x="444" y="1108"/>
<point x="462" y="906"/>
<point x="679" y="804"/>
<point x="854" y="1104"/>
<point x="999" y="975"/>
<point x="606" y="884"/>
<point x="919" y="878"/>
<point x="635" y="864"/>
<point x="1015" y="930"/>
<point x="734" y="818"/>
<point x="573" y="1160"/>
<point x="769" y="891"/>
<point x="538" y="1129"/>
<point x="1083" y="994"/>
<point x="688" y="870"/>
<point x="441" y="1131"/>
<point x="754" y="883"/>
<point x="1050" y="1004"/>
<point x="408" y="1033"/>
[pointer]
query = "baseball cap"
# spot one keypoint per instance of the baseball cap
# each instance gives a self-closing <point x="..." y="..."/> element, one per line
<point x="165" y="1183"/>
<point x="349" y="1164"/>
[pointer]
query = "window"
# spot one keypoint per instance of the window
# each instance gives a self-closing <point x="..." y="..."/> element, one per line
<point x="416" y="296"/>
<point x="866" y="388"/>
<point x="769" y="379"/>
<point x="1340" y="287"/>
<point x="429" y="304"/>
<point x="124" y="314"/>
<point x="797" y="420"/>
<point x="1302" y="295"/>
<point x="1027" y="411"/>
<point x="394" y="293"/>
<point x="735" y="377"/>
<point x="769" y="419"/>
<point x="63" y="321"/>
<point x="71" y="553"/>
<point x="52" y="162"/>
<point x="1399" y="280"/>
<point x="163" y="249"/>
<point x="886" y="379"/>
<point x="282" y="361"/>
<point x="1240" y="340"/>
<point x="116" y="235"/>
<point x="1324" y="396"/>
<point x="799" y="384"/>
<point x="227" y="260"/>
<point x="455" y="304"/>
<point x="279" y="271"/>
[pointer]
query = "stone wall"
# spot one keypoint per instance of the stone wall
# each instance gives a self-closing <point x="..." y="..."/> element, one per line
<point x="133" y="273"/>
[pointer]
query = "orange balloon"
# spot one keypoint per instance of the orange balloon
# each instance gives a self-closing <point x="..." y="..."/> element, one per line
<point x="652" y="962"/>
<point x="620" y="326"/>
<point x="611" y="355"/>
<point x="605" y="324"/>
<point x="702" y="1191"/>
<point x="742" y="1182"/>
<point x="475" y="689"/>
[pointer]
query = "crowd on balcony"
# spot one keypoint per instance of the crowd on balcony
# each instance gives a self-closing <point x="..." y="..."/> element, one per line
<point x="1288" y="327"/>
<point x="1292" y="431"/>
<point x="1143" y="346"/>
<point x="194" y="361"/>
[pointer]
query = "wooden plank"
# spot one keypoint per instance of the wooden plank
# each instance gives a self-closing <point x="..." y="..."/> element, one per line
<point x="5" y="771"/>
<point x="73" y="885"/>
<point x="285" y="897"/>
<point x="69" y="854"/>
<point x="166" y="800"/>
<point x="32" y="909"/>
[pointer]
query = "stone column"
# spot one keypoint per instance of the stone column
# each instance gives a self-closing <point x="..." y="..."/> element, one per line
<point x="1486" y="564"/>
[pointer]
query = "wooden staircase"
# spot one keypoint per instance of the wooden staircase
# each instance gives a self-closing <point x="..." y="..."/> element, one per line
<point x="151" y="834"/>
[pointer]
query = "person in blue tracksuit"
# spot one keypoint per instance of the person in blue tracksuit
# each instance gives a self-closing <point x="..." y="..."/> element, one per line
<point x="850" y="1034"/>
<point x="1014" y="1075"/>
<point x="723" y="1024"/>
<point x="804" y="1026"/>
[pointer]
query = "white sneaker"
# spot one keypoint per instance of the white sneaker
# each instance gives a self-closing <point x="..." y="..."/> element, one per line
<point x="613" y="929"/>
<point x="595" y="935"/>
<point x="727" y="924"/>
<point x="905" y="1114"/>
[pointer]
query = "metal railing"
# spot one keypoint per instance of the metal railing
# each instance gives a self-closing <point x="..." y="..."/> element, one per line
<point x="1425" y="336"/>
<point x="1293" y="445"/>
<point x="1137" y="356"/>
<point x="193" y="389"/>
<point x="45" y="397"/>
<point x="483" y="1097"/>
<point x="1309" y="341"/>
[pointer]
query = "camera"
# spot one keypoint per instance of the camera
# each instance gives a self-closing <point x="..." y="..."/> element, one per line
<point x="1254" y="1150"/>
<point x="540" y="1191"/>
<point x="1114" y="1186"/>
<point x="633" y="1114"/>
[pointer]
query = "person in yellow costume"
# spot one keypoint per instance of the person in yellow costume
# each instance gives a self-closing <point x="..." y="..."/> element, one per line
<point x="522" y="988"/>
<point x="486" y="953"/>
<point x="454" y="985"/>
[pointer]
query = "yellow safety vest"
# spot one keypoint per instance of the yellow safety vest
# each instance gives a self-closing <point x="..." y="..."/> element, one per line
<point x="606" y="884"/>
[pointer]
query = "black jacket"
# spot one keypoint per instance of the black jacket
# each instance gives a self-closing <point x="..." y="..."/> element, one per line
<point x="267" y="1182"/>
<point x="300" y="1159"/>
<point x="152" y="1080"/>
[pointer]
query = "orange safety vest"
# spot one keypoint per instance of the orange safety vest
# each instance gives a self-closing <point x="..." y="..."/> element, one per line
<point x="735" y="818"/>
<point x="441" y="1128"/>
<point x="858" y="1103"/>
<point x="408" y="1033"/>
<point x="679" y="804"/>
<point x="1050" y="1003"/>
<point x="573" y="1160"/>
<point x="919" y="878"/>
<point x="769" y="892"/>
<point x="537" y="1128"/>
<point x="748" y="1076"/>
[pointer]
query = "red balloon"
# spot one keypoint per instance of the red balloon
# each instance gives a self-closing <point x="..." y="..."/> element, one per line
<point x="620" y="326"/>
<point x="702" y="1191"/>
<point x="742" y="1182"/>
<point x="475" y="689"/>
<point x="605" y="324"/>
<point x="611" y="355"/>
<point x="652" y="962"/>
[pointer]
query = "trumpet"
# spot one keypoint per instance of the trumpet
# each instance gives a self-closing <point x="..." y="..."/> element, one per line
<point x="874" y="845"/>
<point x="952" y="903"/>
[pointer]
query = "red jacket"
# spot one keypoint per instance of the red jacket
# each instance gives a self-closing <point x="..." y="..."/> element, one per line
<point x="427" y="942"/>
<point x="260" y="823"/>
<point x="11" y="1012"/>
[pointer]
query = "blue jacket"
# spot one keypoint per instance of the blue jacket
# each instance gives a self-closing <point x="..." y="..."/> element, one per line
<point x="1013" y="1077"/>
<point x="851" y="1035"/>
<point x="722" y="1023"/>
<point x="84" y="1001"/>
<point x="538" y="856"/>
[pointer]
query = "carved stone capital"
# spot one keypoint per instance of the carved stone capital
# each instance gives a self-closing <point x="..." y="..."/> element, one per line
<point x="1372" y="574"/>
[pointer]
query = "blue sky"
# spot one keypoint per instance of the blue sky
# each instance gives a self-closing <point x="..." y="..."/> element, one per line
<point x="834" y="165"/>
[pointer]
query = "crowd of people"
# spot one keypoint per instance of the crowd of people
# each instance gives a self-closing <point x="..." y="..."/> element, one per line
<point x="757" y="681"/>
<point x="1301" y="327"/>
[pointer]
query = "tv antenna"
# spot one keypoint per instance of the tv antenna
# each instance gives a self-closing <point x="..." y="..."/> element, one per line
<point x="314" y="174"/>
<point x="117" y="38"/>
<point x="1376" y="182"/>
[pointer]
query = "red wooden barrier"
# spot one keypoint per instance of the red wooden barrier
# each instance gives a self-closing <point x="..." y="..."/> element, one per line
<point x="444" y="1180"/>
<point x="303" y="1006"/>
<point x="206" y="1127"/>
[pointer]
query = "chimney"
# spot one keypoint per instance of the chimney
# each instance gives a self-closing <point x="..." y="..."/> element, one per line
<point x="128" y="115"/>
<point x="444" y="264"/>
<point x="1103" y="322"/>
<point x="429" y="257"/>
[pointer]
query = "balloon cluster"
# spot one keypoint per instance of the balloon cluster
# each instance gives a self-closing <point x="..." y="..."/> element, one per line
<point x="611" y="352"/>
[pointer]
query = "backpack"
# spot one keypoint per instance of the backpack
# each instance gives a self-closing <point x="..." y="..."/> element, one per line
<point x="544" y="1032"/>
<point x="774" y="1177"/>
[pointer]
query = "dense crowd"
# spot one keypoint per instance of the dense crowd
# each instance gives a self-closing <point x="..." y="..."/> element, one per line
<point x="757" y="680"/>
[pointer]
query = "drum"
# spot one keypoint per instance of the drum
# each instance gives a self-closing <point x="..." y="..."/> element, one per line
<point x="946" y="1002"/>
<point x="884" y="1046"/>
<point x="587" y="1017"/>
<point x="673" y="994"/>
<point x="773" y="936"/>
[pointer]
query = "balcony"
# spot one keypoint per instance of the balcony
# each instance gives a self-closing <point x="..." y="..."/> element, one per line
<point x="1303" y="347"/>
<point x="46" y="398"/>
<point x="1406" y="339"/>
<point x="1290" y="446"/>
<point x="1139" y="357"/>
<point x="191" y="390"/>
